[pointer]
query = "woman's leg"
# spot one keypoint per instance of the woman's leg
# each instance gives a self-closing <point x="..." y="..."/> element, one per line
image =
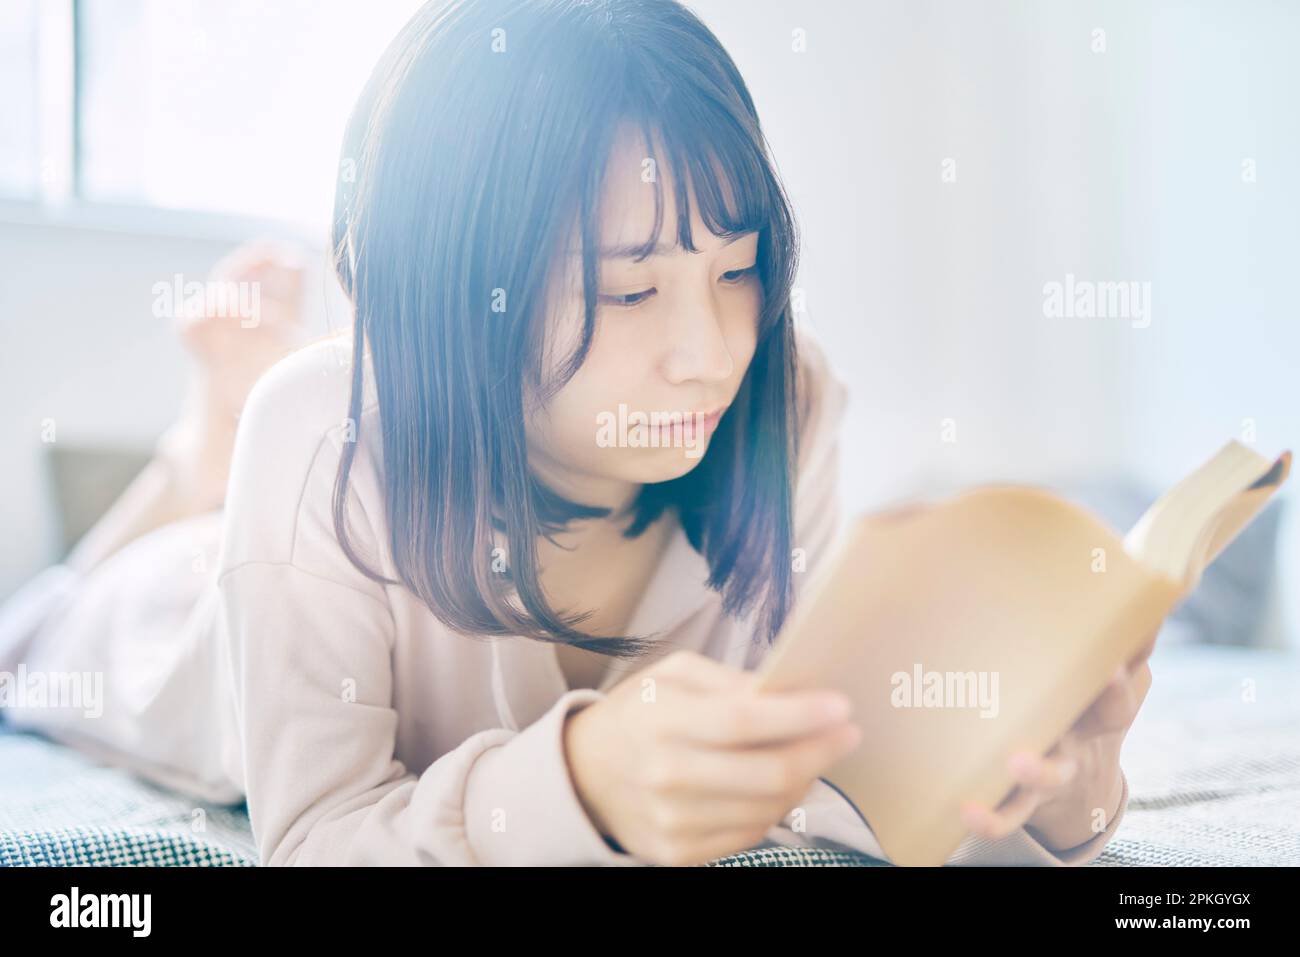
<point x="191" y="464"/>
<point x="125" y="668"/>
<point x="120" y="625"/>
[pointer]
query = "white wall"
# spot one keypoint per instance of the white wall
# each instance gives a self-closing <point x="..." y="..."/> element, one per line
<point x="81" y="347"/>
<point x="1116" y="165"/>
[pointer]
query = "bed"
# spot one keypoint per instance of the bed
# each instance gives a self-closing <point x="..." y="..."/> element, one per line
<point x="1213" y="763"/>
<point x="1213" y="760"/>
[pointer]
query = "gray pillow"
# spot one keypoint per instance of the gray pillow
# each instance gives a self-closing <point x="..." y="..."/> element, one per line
<point x="1230" y="604"/>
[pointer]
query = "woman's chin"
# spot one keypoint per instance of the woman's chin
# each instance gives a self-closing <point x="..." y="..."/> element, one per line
<point x="665" y="464"/>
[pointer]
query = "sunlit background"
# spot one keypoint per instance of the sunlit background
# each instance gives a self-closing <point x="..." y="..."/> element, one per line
<point x="946" y="159"/>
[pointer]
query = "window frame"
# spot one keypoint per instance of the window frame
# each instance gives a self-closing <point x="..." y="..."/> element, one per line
<point x="57" y="199"/>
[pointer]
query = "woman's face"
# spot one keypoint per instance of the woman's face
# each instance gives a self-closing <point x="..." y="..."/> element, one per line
<point x="674" y="335"/>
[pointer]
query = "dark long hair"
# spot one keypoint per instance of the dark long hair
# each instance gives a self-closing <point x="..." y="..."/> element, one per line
<point x="482" y="134"/>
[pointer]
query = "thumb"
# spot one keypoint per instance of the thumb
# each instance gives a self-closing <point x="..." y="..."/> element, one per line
<point x="703" y="673"/>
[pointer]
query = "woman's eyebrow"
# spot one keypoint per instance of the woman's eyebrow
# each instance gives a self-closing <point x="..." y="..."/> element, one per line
<point x="632" y="250"/>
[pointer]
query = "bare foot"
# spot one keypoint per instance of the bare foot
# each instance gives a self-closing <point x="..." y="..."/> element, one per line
<point x="233" y="340"/>
<point x="260" y="323"/>
<point x="233" y="344"/>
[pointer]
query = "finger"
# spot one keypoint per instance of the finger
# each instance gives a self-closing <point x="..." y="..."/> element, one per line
<point x="701" y="672"/>
<point x="1069" y="748"/>
<point x="1010" y="816"/>
<point x="1046" y="773"/>
<point x="779" y="771"/>
<point x="1115" y="710"/>
<point x="754" y="719"/>
<point x="1111" y="710"/>
<point x="721" y="706"/>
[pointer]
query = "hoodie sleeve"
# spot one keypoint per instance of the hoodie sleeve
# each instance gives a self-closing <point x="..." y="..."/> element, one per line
<point x="826" y="818"/>
<point x="309" y="644"/>
<point x="313" y="683"/>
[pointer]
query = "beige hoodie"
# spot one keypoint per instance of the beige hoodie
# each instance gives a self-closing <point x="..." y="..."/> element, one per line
<point x="360" y="728"/>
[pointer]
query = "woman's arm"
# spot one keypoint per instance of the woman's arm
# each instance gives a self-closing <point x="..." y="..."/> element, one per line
<point x="314" y="684"/>
<point x="310" y="644"/>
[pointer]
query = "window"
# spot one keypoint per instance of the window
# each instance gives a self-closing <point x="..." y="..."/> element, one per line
<point x="218" y="106"/>
<point x="19" y="131"/>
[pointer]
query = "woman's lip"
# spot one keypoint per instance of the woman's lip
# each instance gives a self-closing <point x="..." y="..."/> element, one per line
<point x="713" y="416"/>
<point x="708" y="425"/>
<point x="712" y="419"/>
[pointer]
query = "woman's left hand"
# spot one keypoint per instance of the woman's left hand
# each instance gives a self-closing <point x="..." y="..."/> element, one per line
<point x="1059" y="796"/>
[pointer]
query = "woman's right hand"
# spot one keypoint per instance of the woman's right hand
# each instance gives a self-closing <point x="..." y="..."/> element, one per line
<point x="685" y="761"/>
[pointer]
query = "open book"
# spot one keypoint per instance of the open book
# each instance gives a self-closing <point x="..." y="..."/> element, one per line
<point x="989" y="622"/>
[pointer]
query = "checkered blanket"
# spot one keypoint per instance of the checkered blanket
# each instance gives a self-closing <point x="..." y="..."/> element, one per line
<point x="58" y="807"/>
<point x="1213" y="763"/>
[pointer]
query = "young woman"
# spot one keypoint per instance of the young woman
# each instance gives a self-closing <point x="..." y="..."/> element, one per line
<point x="451" y="610"/>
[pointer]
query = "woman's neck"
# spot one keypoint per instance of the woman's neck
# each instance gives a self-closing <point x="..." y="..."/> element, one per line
<point x="592" y="566"/>
<point x="596" y="491"/>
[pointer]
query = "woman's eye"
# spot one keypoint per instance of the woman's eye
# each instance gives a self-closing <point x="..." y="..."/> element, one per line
<point x="736" y="275"/>
<point x="630" y="299"/>
<point x="627" y="300"/>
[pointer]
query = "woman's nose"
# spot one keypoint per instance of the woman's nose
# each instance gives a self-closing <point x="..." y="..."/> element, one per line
<point x="697" y="349"/>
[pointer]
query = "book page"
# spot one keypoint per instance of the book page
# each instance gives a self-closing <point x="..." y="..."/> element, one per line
<point x="1174" y="536"/>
